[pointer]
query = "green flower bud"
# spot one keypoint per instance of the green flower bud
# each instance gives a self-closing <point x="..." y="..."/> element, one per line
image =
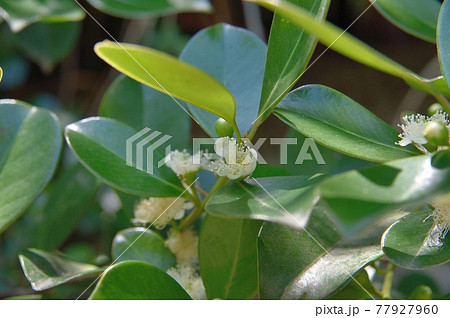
<point x="422" y="292"/>
<point x="436" y="133"/>
<point x="434" y="108"/>
<point x="223" y="128"/>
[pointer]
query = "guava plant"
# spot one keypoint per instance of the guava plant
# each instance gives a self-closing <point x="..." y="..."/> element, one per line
<point x="217" y="222"/>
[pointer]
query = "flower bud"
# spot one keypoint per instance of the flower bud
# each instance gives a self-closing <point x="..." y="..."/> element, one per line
<point x="434" y="108"/>
<point x="436" y="132"/>
<point x="422" y="292"/>
<point x="223" y="128"/>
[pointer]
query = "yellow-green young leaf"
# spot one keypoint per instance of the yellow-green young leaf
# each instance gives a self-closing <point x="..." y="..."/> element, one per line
<point x="1" y="74"/>
<point x="170" y="76"/>
<point x="337" y="39"/>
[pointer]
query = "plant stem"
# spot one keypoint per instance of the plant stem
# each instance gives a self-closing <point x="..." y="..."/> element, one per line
<point x="254" y="128"/>
<point x="387" y="284"/>
<point x="237" y="132"/>
<point x="199" y="210"/>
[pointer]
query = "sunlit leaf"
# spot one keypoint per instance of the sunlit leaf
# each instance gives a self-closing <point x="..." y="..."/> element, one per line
<point x="46" y="270"/>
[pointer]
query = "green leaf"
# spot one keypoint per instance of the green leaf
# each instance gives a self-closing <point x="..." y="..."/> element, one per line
<point x="416" y="17"/>
<point x="170" y="76"/>
<point x="413" y="242"/>
<point x="289" y="50"/>
<point x="143" y="245"/>
<point x="133" y="9"/>
<point x="338" y="40"/>
<point x="316" y="261"/>
<point x="100" y="145"/>
<point x="67" y="200"/>
<point x="20" y="14"/>
<point x="223" y="51"/>
<point x="354" y="291"/>
<point x="335" y="162"/>
<point x="355" y="195"/>
<point x="140" y="106"/>
<point x="26" y="297"/>
<point x="48" y="43"/>
<point x="137" y="280"/>
<point x="443" y="44"/>
<point x="46" y="270"/>
<point x="337" y="122"/>
<point x="30" y="143"/>
<point x="228" y="258"/>
<point x="255" y="199"/>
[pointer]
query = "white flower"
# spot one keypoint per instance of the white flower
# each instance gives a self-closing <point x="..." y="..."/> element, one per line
<point x="184" y="245"/>
<point x="189" y="279"/>
<point x="182" y="163"/>
<point x="442" y="117"/>
<point x="161" y="210"/>
<point x="236" y="160"/>
<point x="441" y="215"/>
<point x="413" y="128"/>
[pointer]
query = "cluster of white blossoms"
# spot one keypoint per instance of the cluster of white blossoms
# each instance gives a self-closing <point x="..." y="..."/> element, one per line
<point x="413" y="129"/>
<point x="160" y="211"/>
<point x="441" y="215"/>
<point x="185" y="247"/>
<point x="182" y="162"/>
<point x="235" y="160"/>
<point x="189" y="279"/>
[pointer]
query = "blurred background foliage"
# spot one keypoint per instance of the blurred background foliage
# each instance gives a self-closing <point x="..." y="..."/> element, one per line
<point x="52" y="65"/>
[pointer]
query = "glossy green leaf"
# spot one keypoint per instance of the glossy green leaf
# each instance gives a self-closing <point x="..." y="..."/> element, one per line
<point x="144" y="8"/>
<point x="143" y="245"/>
<point x="19" y="14"/>
<point x="440" y="84"/>
<point x="170" y="76"/>
<point x="338" y="40"/>
<point x="316" y="261"/>
<point x="333" y="162"/>
<point x="137" y="280"/>
<point x="66" y="201"/>
<point x="416" y="17"/>
<point x="285" y="200"/>
<point x="46" y="270"/>
<point x="30" y="143"/>
<point x="224" y="51"/>
<point x="414" y="242"/>
<point x="48" y="43"/>
<point x="355" y="195"/>
<point x="26" y="297"/>
<point x="140" y="106"/>
<point x="337" y="122"/>
<point x="289" y="50"/>
<point x="443" y="44"/>
<point x="100" y="145"/>
<point x="263" y="171"/>
<point x="228" y="258"/>
<point x="359" y="288"/>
